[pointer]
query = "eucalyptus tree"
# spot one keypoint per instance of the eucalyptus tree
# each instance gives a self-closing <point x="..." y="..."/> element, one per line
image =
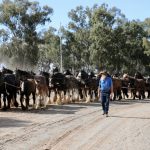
<point x="146" y="41"/>
<point x="79" y="28"/>
<point x="21" y="20"/>
<point x="69" y="53"/>
<point x="117" y="44"/>
<point x="102" y="52"/>
<point x="49" y="50"/>
<point x="134" y="34"/>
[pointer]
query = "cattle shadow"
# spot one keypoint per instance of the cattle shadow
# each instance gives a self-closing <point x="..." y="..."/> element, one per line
<point x="58" y="109"/>
<point x="50" y="109"/>
<point x="129" y="117"/>
<point x="9" y="122"/>
<point x="71" y="108"/>
<point x="92" y="104"/>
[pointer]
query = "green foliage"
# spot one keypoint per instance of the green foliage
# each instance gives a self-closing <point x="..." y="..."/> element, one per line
<point x="95" y="37"/>
<point x="49" y="51"/>
<point x="104" y="37"/>
<point x="21" y="19"/>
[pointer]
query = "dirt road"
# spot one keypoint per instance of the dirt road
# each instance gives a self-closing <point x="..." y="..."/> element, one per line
<point x="78" y="127"/>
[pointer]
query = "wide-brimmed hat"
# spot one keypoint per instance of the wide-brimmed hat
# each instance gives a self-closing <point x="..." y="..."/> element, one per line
<point x="103" y="72"/>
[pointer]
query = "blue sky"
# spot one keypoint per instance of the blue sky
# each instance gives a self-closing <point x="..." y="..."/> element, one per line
<point x="133" y="9"/>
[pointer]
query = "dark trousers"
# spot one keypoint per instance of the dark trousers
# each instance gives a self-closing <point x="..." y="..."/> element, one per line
<point x="105" y="98"/>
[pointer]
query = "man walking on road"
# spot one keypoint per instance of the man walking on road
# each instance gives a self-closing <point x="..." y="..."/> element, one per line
<point x="105" y="91"/>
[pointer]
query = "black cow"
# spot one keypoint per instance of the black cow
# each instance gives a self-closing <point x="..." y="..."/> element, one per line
<point x="58" y="85"/>
<point x="9" y="86"/>
<point x="28" y="87"/>
<point x="88" y="85"/>
<point x="6" y="71"/>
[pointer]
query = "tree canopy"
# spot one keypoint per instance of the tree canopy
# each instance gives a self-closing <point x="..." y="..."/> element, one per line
<point x="97" y="37"/>
<point x="21" y="19"/>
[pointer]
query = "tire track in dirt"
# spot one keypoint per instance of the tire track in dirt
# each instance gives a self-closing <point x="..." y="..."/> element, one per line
<point x="111" y="138"/>
<point x="27" y="133"/>
<point x="66" y="134"/>
<point x="84" y="128"/>
<point x="65" y="131"/>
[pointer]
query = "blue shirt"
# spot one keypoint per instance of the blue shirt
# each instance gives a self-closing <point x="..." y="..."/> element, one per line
<point x="105" y="84"/>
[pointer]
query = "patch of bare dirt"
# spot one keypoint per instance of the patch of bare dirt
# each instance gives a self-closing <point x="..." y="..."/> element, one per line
<point x="77" y="127"/>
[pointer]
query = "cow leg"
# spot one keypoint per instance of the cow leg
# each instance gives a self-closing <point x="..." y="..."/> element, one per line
<point x="75" y="95"/>
<point x="66" y="100"/>
<point x="126" y="93"/>
<point x="84" y="91"/>
<point x="114" y="98"/>
<point x="139" y="95"/>
<point x="59" y="98"/>
<point x="49" y="92"/>
<point x="0" y="101"/>
<point x="71" y="95"/>
<point x="27" y="102"/>
<point x="119" y="94"/>
<point x="134" y="94"/>
<point x="34" y="102"/>
<point x="39" y="100"/>
<point x="80" y="93"/>
<point x="88" y="95"/>
<point x="4" y="100"/>
<point x="76" y="91"/>
<point x="55" y="96"/>
<point x="96" y="95"/>
<point x="148" y="96"/>
<point x="91" y="95"/>
<point x="9" y="97"/>
<point x="49" y="95"/>
<point x="42" y="99"/>
<point x="143" y="94"/>
<point x="44" y="95"/>
<point x="15" y="100"/>
<point x="21" y="101"/>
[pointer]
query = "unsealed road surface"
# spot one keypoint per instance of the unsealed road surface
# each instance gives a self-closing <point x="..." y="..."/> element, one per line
<point x="78" y="127"/>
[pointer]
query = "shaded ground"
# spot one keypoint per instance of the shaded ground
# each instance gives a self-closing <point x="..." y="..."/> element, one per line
<point x="78" y="127"/>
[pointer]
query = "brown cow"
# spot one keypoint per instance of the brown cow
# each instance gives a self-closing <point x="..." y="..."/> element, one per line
<point x="28" y="87"/>
<point x="42" y="90"/>
<point x="117" y="84"/>
<point x="136" y="86"/>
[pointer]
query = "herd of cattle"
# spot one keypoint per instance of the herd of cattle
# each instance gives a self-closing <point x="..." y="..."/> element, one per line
<point x="63" y="87"/>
